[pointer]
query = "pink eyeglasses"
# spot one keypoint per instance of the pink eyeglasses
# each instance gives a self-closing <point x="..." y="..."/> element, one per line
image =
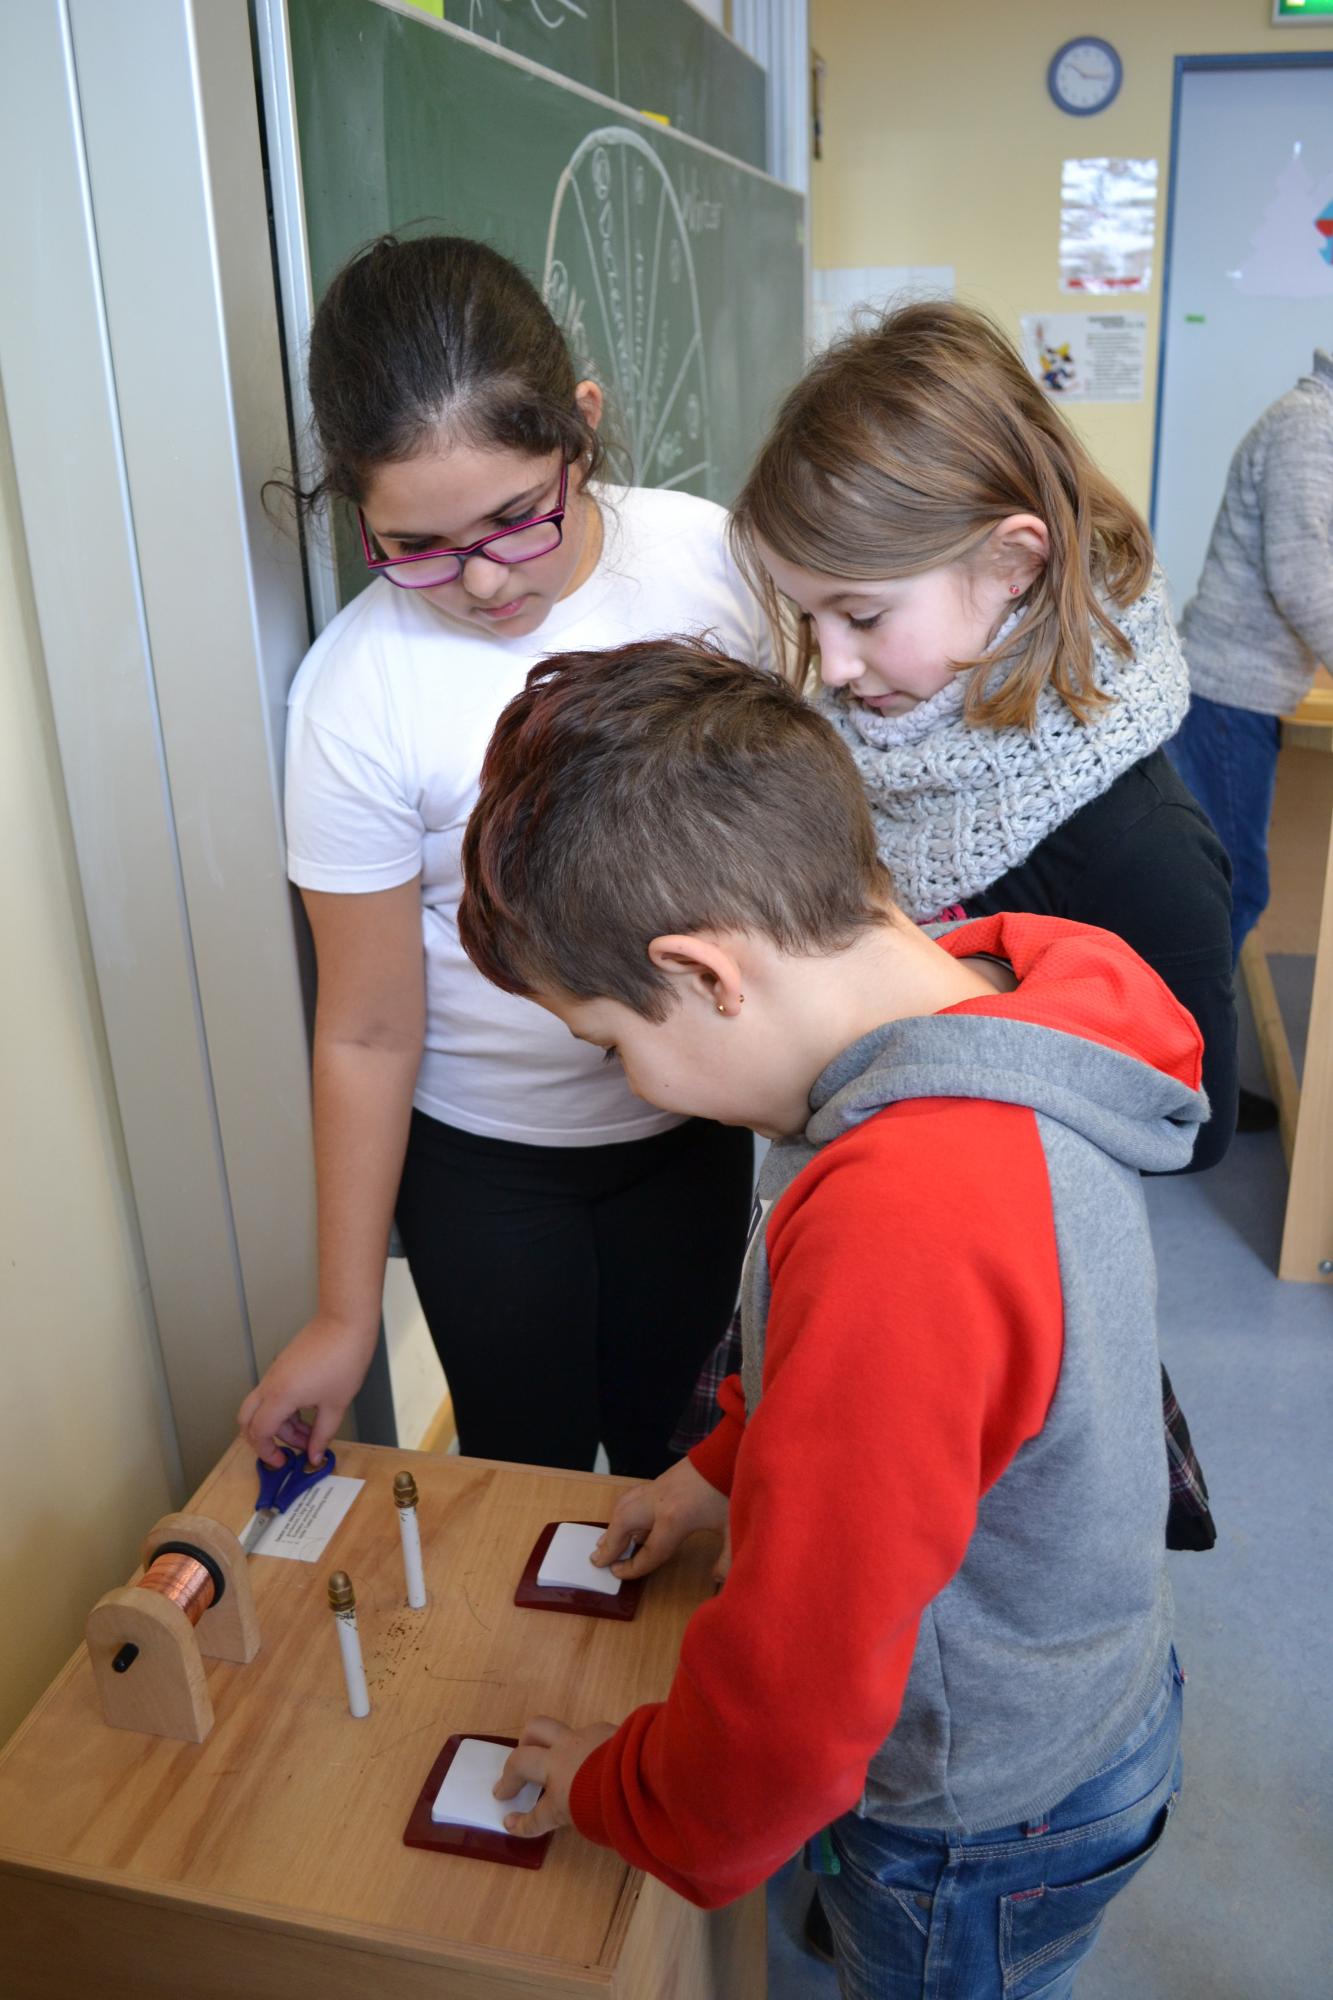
<point x="523" y="543"/>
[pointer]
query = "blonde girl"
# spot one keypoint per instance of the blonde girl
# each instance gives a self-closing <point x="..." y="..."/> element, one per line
<point x="991" y="637"/>
<point x="981" y="618"/>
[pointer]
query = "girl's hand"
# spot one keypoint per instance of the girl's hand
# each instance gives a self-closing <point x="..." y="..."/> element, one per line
<point x="548" y="1753"/>
<point x="321" y="1367"/>
<point x="658" y="1518"/>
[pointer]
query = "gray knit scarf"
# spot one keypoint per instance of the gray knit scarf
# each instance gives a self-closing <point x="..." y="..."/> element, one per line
<point x="955" y="807"/>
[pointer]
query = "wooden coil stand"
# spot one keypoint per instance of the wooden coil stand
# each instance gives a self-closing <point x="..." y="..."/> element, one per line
<point x="162" y="1690"/>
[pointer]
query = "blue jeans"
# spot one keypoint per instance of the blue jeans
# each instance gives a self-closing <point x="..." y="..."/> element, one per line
<point x="1228" y="758"/>
<point x="1006" y="1915"/>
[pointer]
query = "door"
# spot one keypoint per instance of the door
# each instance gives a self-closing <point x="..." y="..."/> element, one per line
<point x="1249" y="285"/>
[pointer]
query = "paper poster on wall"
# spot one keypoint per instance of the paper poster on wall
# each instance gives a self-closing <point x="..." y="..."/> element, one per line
<point x="1291" y="252"/>
<point x="843" y="295"/>
<point x="1108" y="224"/>
<point x="1087" y="357"/>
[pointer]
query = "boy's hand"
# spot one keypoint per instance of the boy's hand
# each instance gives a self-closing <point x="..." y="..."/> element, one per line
<point x="322" y="1367"/>
<point x="658" y="1518"/>
<point x="548" y="1753"/>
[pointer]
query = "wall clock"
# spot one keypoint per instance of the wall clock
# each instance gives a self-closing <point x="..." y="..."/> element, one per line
<point x="1084" y="76"/>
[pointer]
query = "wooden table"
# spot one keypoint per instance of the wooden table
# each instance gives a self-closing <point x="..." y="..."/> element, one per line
<point x="268" y="1861"/>
<point x="1305" y="1110"/>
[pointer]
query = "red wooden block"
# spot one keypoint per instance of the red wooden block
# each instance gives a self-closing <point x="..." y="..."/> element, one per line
<point x="558" y="1597"/>
<point x="473" y="1843"/>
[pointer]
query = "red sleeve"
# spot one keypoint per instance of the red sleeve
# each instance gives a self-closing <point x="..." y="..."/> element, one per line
<point x="914" y="1340"/>
<point x="715" y="1457"/>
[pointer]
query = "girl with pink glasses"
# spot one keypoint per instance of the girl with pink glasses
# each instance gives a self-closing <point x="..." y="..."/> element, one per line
<point x="576" y="1252"/>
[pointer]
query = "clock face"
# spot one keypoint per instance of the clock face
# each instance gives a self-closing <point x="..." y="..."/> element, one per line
<point x="1084" y="76"/>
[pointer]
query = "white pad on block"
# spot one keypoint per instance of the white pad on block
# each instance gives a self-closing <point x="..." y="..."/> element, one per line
<point x="466" y="1796"/>
<point x="568" y="1564"/>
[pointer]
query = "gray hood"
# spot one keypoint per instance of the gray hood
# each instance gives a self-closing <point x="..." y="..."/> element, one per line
<point x="1140" y="1115"/>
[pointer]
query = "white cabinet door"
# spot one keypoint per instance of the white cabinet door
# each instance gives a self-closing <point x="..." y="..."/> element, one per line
<point x="1249" y="279"/>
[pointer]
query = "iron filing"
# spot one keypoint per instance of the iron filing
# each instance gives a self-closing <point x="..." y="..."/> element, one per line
<point x="405" y="1500"/>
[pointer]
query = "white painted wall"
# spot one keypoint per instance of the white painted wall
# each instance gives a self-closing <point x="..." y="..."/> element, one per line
<point x="942" y="146"/>
<point x="89" y="1459"/>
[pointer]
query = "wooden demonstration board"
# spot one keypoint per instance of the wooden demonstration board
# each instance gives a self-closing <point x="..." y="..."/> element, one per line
<point x="269" y="1859"/>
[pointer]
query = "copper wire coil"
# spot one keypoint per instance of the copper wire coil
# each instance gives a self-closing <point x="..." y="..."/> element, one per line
<point x="183" y="1580"/>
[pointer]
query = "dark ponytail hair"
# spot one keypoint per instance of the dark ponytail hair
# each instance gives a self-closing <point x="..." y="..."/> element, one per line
<point x="428" y="333"/>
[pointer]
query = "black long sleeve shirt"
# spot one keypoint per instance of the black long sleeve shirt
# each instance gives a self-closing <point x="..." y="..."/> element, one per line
<point x="1142" y="860"/>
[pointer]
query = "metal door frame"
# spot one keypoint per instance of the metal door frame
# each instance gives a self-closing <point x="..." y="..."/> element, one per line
<point x="142" y="370"/>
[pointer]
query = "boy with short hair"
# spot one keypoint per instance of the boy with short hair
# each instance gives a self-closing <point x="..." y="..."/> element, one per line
<point x="946" y="1626"/>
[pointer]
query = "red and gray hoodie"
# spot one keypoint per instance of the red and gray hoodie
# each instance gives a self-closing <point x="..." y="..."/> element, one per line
<point x="948" y="1598"/>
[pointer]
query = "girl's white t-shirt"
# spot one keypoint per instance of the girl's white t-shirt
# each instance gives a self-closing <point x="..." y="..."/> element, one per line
<point x="389" y="718"/>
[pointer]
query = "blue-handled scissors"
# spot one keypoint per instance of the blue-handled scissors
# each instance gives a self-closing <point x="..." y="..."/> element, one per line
<point x="280" y="1486"/>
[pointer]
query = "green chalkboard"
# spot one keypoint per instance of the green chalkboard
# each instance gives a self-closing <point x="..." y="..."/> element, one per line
<point x="677" y="274"/>
<point x="653" y="55"/>
<point x="671" y="59"/>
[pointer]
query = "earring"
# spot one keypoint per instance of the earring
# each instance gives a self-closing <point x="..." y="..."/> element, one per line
<point x="740" y="1002"/>
<point x="1015" y="589"/>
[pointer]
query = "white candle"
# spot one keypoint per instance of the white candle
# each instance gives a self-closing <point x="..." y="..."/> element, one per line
<point x="405" y="1499"/>
<point x="343" y="1605"/>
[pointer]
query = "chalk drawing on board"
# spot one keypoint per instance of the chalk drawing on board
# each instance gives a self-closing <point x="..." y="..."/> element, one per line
<point x="620" y="281"/>
<point x="486" y="17"/>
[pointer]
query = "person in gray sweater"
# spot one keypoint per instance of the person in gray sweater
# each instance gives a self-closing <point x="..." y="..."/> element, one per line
<point x="1259" y="625"/>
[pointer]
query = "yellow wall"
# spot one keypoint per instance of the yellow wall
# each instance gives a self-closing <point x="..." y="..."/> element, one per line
<point x="87" y="1461"/>
<point x="941" y="146"/>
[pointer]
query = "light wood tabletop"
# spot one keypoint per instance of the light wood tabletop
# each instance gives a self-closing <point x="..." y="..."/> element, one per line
<point x="288" y="1820"/>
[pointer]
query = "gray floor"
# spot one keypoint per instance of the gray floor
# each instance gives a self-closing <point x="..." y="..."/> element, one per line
<point x="1237" y="1906"/>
